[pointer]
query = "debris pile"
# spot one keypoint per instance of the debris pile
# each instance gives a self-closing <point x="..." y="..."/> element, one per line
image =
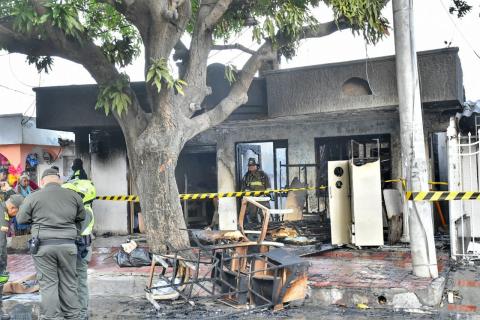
<point x="232" y="268"/>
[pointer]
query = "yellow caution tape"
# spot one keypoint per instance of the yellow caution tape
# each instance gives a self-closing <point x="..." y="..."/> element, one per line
<point x="404" y="182"/>
<point x="438" y="183"/>
<point x="442" y="195"/>
<point x="119" y="198"/>
<point x="203" y="196"/>
<point x="409" y="195"/>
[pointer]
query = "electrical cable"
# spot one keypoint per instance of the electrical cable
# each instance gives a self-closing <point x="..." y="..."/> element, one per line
<point x="25" y="121"/>
<point x="15" y="90"/>
<point x="459" y="31"/>
<point x="366" y="69"/>
<point x="15" y="76"/>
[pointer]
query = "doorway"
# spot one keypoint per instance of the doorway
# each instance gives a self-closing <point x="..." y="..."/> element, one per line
<point x="269" y="155"/>
<point x="196" y="172"/>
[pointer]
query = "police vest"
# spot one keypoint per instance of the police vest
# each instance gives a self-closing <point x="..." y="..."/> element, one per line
<point x="88" y="230"/>
<point x="4" y="224"/>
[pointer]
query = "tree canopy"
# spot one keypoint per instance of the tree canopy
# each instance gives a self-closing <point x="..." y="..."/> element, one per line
<point x="118" y="30"/>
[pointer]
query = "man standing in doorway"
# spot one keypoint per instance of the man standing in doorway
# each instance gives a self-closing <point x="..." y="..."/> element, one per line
<point x="254" y="180"/>
<point x="55" y="214"/>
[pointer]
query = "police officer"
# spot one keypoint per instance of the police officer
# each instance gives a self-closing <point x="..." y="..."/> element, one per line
<point x="87" y="191"/>
<point x="5" y="191"/>
<point x="254" y="180"/>
<point x="55" y="214"/>
<point x="8" y="210"/>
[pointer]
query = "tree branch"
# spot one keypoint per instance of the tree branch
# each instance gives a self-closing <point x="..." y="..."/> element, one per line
<point x="167" y="21"/>
<point x="196" y="66"/>
<point x="324" y="29"/>
<point x="216" y="13"/>
<point x="134" y="11"/>
<point x="237" y="95"/>
<point x="209" y="13"/>
<point x="234" y="46"/>
<point x="238" y="92"/>
<point x="83" y="51"/>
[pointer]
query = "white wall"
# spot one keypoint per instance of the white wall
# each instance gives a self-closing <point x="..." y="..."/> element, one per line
<point x="66" y="155"/>
<point x="110" y="178"/>
<point x="17" y="129"/>
<point x="10" y="126"/>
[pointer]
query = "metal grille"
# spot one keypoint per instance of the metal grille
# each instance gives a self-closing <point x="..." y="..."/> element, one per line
<point x="464" y="153"/>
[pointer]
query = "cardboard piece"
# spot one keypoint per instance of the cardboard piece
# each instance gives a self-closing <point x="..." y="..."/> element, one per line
<point x="28" y="284"/>
<point x="295" y="201"/>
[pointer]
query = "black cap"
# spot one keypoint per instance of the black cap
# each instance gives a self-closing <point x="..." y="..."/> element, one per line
<point x="252" y="162"/>
<point x="50" y="172"/>
<point x="77" y="162"/>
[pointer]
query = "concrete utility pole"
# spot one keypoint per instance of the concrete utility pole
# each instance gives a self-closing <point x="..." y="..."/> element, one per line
<point x="414" y="160"/>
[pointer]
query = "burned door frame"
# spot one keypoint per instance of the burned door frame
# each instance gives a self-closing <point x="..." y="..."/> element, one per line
<point x="277" y="144"/>
<point x="242" y="147"/>
<point x="184" y="180"/>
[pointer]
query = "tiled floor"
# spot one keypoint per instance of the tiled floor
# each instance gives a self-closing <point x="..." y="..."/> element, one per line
<point x="464" y="286"/>
<point x="367" y="269"/>
<point x="339" y="268"/>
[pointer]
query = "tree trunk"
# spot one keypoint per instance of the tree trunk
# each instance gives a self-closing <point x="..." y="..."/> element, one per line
<point x="154" y="169"/>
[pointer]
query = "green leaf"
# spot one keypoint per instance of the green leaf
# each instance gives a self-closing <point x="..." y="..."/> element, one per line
<point x="230" y="73"/>
<point x="150" y="74"/>
<point x="158" y="84"/>
<point x="114" y="96"/>
<point x="160" y="76"/>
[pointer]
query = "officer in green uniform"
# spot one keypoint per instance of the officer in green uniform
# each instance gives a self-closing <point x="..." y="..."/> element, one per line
<point x="254" y="180"/>
<point x="5" y="191"/>
<point x="55" y="215"/>
<point x="87" y="191"/>
<point x="8" y="210"/>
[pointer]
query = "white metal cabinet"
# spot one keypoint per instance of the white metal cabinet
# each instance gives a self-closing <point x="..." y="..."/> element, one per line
<point x="366" y="203"/>
<point x="339" y="201"/>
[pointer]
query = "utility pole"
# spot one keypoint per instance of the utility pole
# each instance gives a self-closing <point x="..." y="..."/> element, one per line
<point x="414" y="159"/>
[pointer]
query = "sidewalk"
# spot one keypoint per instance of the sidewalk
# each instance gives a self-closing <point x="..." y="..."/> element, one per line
<point x="377" y="278"/>
<point x="380" y="279"/>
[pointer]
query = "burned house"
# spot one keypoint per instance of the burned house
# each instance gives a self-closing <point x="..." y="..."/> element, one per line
<point x="295" y="121"/>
